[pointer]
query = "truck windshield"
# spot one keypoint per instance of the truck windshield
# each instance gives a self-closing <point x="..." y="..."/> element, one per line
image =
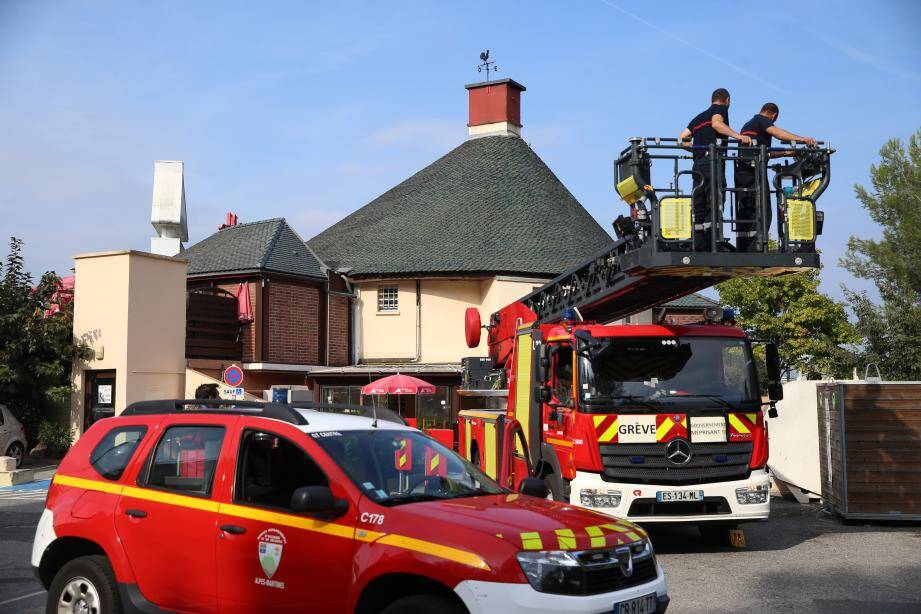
<point x="653" y="372"/>
<point x="396" y="466"/>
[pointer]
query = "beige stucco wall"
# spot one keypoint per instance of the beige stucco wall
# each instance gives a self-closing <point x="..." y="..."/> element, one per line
<point x="130" y="307"/>
<point x="392" y="336"/>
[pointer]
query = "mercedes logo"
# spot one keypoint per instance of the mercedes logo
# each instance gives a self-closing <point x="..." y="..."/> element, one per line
<point x="678" y="451"/>
<point x="625" y="561"/>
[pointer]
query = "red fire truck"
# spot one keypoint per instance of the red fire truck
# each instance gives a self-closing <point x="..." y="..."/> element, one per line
<point x="651" y="422"/>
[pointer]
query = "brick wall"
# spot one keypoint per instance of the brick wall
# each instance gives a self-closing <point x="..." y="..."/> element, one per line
<point x="249" y="330"/>
<point x="292" y="324"/>
<point x="338" y="331"/>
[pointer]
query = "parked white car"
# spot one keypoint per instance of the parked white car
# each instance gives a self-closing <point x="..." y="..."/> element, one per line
<point x="12" y="436"/>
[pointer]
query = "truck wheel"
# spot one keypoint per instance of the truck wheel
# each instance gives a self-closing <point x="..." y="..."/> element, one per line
<point x="85" y="585"/>
<point x="558" y="487"/>
<point x="424" y="604"/>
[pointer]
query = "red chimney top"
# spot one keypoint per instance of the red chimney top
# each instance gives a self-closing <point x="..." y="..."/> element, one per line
<point x="495" y="107"/>
<point x="230" y="222"/>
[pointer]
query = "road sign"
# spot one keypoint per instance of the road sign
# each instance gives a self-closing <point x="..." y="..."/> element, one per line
<point x="233" y="376"/>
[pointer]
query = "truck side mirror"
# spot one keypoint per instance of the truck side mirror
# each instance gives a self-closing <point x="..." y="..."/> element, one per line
<point x="775" y="391"/>
<point x="543" y="363"/>
<point x="533" y="487"/>
<point x="317" y="501"/>
<point x="772" y="360"/>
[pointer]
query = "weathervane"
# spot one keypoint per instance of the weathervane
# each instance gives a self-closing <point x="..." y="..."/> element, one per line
<point x="487" y="65"/>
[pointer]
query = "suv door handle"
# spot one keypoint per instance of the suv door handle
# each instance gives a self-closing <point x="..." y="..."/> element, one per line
<point x="136" y="513"/>
<point x="233" y="529"/>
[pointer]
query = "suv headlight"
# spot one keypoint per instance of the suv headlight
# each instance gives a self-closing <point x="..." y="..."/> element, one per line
<point x="552" y="571"/>
<point x="599" y="497"/>
<point x="567" y="572"/>
<point x="753" y="494"/>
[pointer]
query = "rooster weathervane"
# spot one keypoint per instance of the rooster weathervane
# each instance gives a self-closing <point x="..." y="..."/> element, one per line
<point x="487" y="64"/>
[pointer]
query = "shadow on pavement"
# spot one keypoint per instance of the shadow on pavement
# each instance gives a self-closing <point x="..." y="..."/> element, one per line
<point x="790" y="524"/>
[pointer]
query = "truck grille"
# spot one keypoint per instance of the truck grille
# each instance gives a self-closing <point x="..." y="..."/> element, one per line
<point x="645" y="463"/>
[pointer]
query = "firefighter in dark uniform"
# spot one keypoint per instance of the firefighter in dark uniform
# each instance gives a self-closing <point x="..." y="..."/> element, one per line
<point x="703" y="130"/>
<point x="760" y="129"/>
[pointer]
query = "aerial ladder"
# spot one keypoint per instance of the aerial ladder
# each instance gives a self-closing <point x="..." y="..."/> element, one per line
<point x="591" y="404"/>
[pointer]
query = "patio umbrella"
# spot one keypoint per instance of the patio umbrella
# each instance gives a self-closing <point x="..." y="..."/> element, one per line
<point x="398" y="384"/>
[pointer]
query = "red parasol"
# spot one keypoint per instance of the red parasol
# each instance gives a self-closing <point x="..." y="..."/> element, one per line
<point x="398" y="384"/>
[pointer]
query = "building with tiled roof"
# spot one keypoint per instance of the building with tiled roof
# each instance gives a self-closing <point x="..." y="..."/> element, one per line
<point x="295" y="316"/>
<point x="480" y="227"/>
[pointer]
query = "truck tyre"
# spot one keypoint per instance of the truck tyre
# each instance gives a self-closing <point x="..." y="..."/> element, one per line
<point x="85" y="584"/>
<point x="558" y="487"/>
<point x="425" y="604"/>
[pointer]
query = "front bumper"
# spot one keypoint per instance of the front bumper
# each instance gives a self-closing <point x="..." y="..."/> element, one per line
<point x="738" y="512"/>
<point x="490" y="597"/>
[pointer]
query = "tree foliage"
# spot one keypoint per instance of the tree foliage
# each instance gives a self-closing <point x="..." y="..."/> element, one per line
<point x="36" y="351"/>
<point x="891" y="330"/>
<point x="810" y="329"/>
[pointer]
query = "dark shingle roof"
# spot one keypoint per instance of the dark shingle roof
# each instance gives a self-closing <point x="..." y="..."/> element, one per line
<point x="490" y="205"/>
<point x="268" y="245"/>
<point x="692" y="301"/>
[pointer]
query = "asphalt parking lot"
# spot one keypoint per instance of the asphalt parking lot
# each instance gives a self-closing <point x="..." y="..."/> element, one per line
<point x="801" y="560"/>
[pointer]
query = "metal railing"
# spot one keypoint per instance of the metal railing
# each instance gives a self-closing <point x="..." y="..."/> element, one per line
<point x="640" y="161"/>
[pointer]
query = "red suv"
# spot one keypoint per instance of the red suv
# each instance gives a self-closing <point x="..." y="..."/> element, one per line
<point x="241" y="507"/>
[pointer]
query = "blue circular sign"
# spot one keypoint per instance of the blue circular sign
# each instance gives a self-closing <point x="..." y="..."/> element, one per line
<point x="233" y="376"/>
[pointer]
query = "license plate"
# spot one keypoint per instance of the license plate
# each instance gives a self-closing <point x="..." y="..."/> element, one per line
<point x="640" y="605"/>
<point x="669" y="496"/>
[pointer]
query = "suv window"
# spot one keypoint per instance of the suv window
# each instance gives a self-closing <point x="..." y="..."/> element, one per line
<point x="271" y="468"/>
<point x="111" y="455"/>
<point x="185" y="459"/>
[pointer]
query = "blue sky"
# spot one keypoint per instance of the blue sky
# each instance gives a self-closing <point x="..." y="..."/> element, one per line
<point x="308" y="111"/>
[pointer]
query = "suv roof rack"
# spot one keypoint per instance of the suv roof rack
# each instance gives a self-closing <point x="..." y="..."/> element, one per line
<point x="366" y="411"/>
<point x="277" y="411"/>
<point x="286" y="412"/>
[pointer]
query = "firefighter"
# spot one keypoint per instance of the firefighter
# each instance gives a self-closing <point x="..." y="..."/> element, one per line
<point x="702" y="131"/>
<point x="761" y="129"/>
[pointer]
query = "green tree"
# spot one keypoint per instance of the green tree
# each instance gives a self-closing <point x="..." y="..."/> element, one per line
<point x="890" y="330"/>
<point x="36" y="351"/>
<point x="811" y="330"/>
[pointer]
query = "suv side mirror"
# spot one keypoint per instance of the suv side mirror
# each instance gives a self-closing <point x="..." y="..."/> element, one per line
<point x="317" y="501"/>
<point x="533" y="487"/>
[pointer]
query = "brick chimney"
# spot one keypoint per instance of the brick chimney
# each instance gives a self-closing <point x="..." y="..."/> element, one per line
<point x="495" y="108"/>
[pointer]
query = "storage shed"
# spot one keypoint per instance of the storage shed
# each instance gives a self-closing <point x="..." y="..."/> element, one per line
<point x="870" y="449"/>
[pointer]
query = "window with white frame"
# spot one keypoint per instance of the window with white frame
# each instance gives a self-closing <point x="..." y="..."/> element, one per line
<point x="388" y="298"/>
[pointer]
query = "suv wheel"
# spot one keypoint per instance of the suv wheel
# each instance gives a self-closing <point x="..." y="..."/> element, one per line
<point x="424" y="604"/>
<point x="16" y="451"/>
<point x="85" y="585"/>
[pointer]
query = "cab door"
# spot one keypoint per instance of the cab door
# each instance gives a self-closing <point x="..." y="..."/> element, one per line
<point x="168" y="521"/>
<point x="267" y="553"/>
